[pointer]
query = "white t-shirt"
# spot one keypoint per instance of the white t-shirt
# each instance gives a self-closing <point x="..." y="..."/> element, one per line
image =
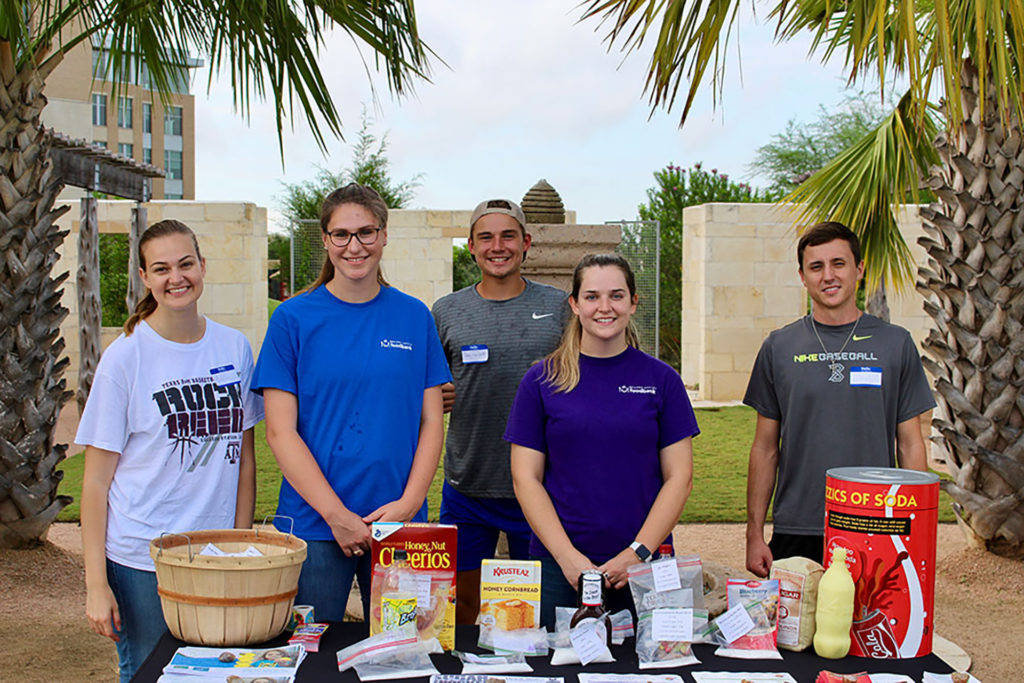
<point x="175" y="413"/>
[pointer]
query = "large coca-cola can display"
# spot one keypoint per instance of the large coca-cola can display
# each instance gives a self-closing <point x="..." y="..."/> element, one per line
<point x="887" y="520"/>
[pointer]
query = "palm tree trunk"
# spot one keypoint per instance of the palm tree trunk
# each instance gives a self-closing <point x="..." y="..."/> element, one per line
<point x="974" y="288"/>
<point x="31" y="349"/>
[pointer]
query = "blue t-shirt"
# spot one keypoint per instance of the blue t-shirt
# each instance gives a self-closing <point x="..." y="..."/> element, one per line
<point x="358" y="372"/>
<point x="603" y="441"/>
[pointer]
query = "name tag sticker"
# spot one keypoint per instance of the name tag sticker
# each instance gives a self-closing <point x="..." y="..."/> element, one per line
<point x="474" y="353"/>
<point x="225" y="375"/>
<point x="865" y="377"/>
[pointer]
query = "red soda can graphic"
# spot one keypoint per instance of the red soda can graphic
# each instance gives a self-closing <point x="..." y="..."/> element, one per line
<point x="887" y="520"/>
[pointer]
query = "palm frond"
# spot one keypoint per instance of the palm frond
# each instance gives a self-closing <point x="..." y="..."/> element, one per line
<point x="691" y="38"/>
<point x="861" y="187"/>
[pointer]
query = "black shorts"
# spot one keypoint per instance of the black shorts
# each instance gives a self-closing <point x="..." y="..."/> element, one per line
<point x="797" y="545"/>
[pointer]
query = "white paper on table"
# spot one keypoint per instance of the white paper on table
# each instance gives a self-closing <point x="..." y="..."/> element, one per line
<point x="890" y="678"/>
<point x="672" y="624"/>
<point x="665" y="574"/>
<point x="417" y="584"/>
<point x="734" y="623"/>
<point x="737" y="677"/>
<point x="628" y="678"/>
<point x="929" y="677"/>
<point x="587" y="644"/>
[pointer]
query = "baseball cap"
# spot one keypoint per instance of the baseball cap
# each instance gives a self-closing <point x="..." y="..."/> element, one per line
<point x="505" y="206"/>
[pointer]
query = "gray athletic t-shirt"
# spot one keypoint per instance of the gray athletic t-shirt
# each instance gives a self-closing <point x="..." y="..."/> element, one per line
<point x="826" y="423"/>
<point x="512" y="335"/>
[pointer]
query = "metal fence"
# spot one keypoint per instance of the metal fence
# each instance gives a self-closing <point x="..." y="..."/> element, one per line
<point x="641" y="246"/>
<point x="307" y="253"/>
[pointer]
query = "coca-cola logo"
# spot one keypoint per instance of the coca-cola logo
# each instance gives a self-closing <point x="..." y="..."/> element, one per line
<point x="511" y="571"/>
<point x="876" y="638"/>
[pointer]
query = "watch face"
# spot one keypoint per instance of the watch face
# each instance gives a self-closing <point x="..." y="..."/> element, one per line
<point x="641" y="551"/>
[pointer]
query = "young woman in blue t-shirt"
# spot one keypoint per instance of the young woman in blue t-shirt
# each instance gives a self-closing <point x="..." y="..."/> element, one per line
<point x="601" y="455"/>
<point x="350" y="371"/>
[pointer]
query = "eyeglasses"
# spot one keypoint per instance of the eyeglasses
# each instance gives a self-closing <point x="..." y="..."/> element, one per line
<point x="366" y="236"/>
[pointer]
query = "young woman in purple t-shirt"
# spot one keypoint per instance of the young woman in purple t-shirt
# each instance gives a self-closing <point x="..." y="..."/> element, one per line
<point x="601" y="433"/>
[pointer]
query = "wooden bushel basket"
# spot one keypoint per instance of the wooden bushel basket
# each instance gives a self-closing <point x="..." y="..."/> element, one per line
<point x="227" y="601"/>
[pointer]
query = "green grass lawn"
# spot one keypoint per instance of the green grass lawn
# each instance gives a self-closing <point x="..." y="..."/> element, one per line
<point x="719" y="480"/>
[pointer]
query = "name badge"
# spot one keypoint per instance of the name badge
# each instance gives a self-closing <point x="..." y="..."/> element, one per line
<point x="865" y="377"/>
<point x="225" y="375"/>
<point x="474" y="353"/>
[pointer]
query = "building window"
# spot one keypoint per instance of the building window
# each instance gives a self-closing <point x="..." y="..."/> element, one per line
<point x="99" y="109"/>
<point x="172" y="164"/>
<point x="147" y="155"/>
<point x="172" y="195"/>
<point x="99" y="143"/>
<point x="147" y="117"/>
<point x="125" y="149"/>
<point x="172" y="121"/>
<point x="124" y="112"/>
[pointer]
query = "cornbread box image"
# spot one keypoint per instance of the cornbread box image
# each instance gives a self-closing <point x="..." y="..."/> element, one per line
<point x="510" y="594"/>
<point x="431" y="550"/>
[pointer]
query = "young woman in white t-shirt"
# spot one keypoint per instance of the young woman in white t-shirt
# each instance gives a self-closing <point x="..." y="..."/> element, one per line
<point x="169" y="441"/>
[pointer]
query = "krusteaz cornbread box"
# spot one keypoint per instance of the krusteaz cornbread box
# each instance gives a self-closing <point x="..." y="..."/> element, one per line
<point x="431" y="556"/>
<point x="510" y="594"/>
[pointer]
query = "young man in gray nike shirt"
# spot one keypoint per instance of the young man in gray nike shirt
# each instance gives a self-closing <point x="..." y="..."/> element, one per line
<point x="836" y="388"/>
<point x="492" y="332"/>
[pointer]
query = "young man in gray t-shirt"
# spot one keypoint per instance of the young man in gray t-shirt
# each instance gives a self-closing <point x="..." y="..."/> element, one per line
<point x="492" y="332"/>
<point x="835" y="388"/>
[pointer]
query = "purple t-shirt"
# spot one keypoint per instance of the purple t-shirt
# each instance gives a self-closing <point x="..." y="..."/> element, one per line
<point x="602" y="441"/>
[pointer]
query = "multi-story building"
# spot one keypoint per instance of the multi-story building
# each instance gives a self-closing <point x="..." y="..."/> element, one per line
<point x="134" y="122"/>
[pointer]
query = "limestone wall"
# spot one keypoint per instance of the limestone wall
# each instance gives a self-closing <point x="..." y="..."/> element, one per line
<point x="740" y="282"/>
<point x="418" y="258"/>
<point x="233" y="239"/>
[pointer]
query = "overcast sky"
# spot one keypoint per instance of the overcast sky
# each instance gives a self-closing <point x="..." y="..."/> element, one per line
<point x="527" y="93"/>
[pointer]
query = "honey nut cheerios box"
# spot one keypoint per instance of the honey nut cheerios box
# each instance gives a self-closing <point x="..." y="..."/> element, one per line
<point x="431" y="555"/>
<point x="510" y="594"/>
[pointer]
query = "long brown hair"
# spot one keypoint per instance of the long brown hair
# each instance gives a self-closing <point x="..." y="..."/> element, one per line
<point x="562" y="366"/>
<point x="353" y="193"/>
<point x="147" y="305"/>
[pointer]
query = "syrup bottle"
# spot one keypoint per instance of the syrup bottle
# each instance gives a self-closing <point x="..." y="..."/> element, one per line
<point x="591" y="605"/>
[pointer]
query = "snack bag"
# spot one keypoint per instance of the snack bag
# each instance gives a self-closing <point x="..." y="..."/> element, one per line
<point x="652" y="586"/>
<point x="395" y="654"/>
<point x="664" y="636"/>
<point x="761" y="598"/>
<point x="430" y="550"/>
<point x="530" y="642"/>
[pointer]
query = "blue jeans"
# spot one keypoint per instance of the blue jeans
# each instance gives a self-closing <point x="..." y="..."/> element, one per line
<point x="142" y="618"/>
<point x="326" y="580"/>
<point x="555" y="591"/>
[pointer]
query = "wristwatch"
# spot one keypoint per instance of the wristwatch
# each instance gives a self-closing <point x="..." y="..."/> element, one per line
<point x="641" y="551"/>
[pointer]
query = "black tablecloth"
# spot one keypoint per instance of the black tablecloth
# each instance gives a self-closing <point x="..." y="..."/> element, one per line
<point x="803" y="666"/>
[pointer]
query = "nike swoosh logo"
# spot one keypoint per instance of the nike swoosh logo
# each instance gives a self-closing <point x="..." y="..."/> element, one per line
<point x="866" y="336"/>
<point x="538" y="316"/>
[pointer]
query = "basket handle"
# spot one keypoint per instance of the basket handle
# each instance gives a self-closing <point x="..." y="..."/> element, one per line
<point x="188" y="539"/>
<point x="291" y="529"/>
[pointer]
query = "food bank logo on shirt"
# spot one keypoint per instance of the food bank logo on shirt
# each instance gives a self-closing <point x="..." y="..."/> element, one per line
<point x="199" y="411"/>
<point x="831" y="357"/>
<point x="395" y="344"/>
<point x="634" y="389"/>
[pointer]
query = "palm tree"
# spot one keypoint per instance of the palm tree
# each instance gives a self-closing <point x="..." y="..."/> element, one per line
<point x="268" y="47"/>
<point x="969" y="148"/>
